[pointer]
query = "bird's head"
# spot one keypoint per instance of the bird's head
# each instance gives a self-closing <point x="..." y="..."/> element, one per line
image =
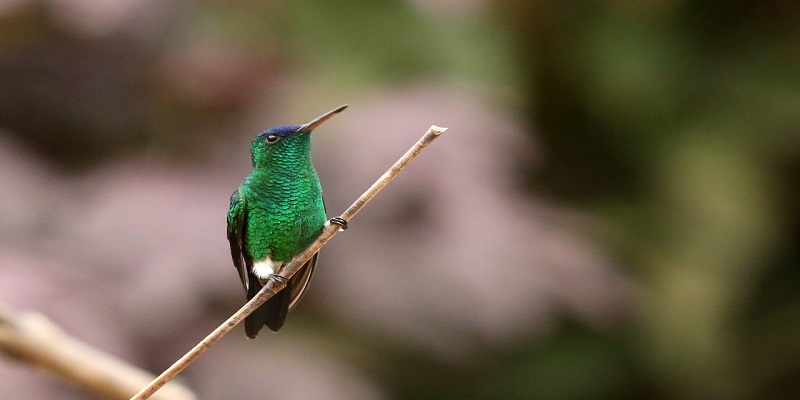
<point x="286" y="140"/>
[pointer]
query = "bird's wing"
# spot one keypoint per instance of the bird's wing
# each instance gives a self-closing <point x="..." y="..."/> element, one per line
<point x="237" y="217"/>
<point x="301" y="279"/>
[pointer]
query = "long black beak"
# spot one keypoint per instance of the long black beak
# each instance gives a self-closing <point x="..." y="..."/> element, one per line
<point x="319" y="120"/>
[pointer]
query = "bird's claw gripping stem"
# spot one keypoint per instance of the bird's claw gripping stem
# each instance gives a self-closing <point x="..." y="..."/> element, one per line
<point x="338" y="221"/>
<point x="279" y="278"/>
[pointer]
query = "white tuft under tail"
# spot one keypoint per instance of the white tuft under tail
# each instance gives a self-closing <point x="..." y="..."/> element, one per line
<point x="264" y="268"/>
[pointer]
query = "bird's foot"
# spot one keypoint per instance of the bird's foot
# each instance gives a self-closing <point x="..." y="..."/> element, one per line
<point x="279" y="278"/>
<point x="338" y="221"/>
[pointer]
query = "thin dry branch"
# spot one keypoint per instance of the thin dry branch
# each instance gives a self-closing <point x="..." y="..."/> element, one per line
<point x="276" y="283"/>
<point x="32" y="338"/>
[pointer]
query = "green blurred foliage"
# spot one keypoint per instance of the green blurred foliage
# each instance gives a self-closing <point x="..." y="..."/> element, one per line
<point x="576" y="363"/>
<point x="678" y="122"/>
<point x="388" y="42"/>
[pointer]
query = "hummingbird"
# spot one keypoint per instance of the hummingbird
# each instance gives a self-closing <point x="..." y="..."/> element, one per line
<point x="276" y="213"/>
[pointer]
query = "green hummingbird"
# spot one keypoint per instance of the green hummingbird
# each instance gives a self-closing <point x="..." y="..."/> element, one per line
<point x="276" y="213"/>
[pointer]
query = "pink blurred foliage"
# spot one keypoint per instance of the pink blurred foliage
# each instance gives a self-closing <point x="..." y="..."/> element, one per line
<point x="449" y="258"/>
<point x="128" y="257"/>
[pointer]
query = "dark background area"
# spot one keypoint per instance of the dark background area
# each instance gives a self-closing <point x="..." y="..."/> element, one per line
<point x="612" y="214"/>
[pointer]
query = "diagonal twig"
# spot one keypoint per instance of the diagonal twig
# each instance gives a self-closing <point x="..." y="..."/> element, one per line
<point x="32" y="338"/>
<point x="274" y="285"/>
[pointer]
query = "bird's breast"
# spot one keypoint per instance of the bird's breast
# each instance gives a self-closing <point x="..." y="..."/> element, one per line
<point x="283" y="221"/>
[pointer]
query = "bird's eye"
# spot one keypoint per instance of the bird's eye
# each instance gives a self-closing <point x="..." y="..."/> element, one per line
<point x="272" y="138"/>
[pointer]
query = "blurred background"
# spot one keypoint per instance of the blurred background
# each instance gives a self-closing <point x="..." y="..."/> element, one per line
<point x="612" y="214"/>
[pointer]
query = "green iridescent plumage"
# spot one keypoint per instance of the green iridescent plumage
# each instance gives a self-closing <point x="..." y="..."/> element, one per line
<point x="275" y="214"/>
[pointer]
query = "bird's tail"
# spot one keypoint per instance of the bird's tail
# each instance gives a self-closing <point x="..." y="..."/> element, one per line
<point x="272" y="313"/>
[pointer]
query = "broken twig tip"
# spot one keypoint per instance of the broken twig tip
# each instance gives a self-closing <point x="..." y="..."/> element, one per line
<point x="437" y="130"/>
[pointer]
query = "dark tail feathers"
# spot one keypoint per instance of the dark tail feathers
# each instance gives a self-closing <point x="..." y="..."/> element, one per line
<point x="272" y="313"/>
